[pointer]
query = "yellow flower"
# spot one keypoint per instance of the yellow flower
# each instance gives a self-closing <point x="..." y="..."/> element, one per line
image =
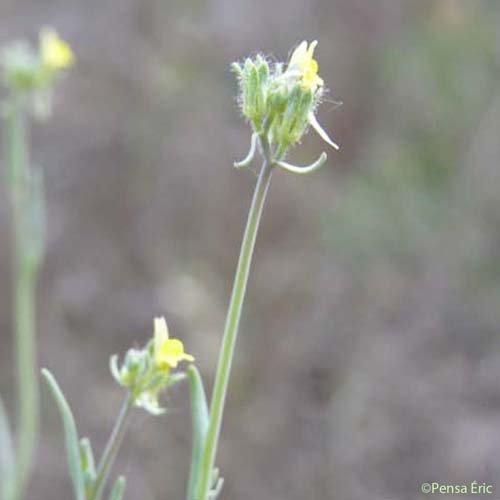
<point x="54" y="51"/>
<point x="303" y="62"/>
<point x="167" y="352"/>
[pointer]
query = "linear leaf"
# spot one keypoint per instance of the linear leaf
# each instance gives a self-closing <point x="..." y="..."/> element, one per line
<point x="71" y="436"/>
<point x="118" y="489"/>
<point x="199" y="418"/>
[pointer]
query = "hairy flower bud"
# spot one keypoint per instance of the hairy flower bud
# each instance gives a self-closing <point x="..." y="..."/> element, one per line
<point x="280" y="100"/>
<point x="253" y="80"/>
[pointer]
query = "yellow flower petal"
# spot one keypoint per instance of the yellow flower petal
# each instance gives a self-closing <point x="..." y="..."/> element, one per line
<point x="298" y="54"/>
<point x="171" y="353"/>
<point x="302" y="60"/>
<point x="161" y="331"/>
<point x="54" y="51"/>
<point x="311" y="49"/>
<point x="167" y="352"/>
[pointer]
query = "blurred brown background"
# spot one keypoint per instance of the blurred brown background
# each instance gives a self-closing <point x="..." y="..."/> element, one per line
<point x="369" y="355"/>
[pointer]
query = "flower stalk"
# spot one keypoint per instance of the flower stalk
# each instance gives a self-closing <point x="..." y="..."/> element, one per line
<point x="112" y="447"/>
<point x="279" y="104"/>
<point x="233" y="320"/>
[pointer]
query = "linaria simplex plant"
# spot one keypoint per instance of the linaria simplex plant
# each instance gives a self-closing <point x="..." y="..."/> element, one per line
<point x="279" y="102"/>
<point x="29" y="77"/>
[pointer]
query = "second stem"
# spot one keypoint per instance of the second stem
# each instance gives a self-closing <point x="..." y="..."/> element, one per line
<point x="112" y="447"/>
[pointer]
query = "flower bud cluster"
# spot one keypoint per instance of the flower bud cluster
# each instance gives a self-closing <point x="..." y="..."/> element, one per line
<point x="32" y="73"/>
<point x="281" y="102"/>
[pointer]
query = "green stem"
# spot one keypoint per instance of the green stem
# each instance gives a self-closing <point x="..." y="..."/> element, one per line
<point x="112" y="447"/>
<point x="232" y="323"/>
<point x="27" y="380"/>
<point x="24" y="284"/>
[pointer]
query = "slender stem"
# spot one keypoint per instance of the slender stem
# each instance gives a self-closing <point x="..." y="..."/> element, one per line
<point x="232" y="323"/>
<point x="27" y="382"/>
<point x="24" y="284"/>
<point x="112" y="447"/>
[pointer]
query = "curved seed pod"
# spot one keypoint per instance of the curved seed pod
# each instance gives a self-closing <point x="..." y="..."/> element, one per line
<point x="304" y="170"/>
<point x="250" y="156"/>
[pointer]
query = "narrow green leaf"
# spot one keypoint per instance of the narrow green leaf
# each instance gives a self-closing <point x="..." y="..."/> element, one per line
<point x="199" y="417"/>
<point x="118" y="489"/>
<point x="87" y="456"/>
<point x="71" y="436"/>
<point x="88" y="465"/>
<point x="7" y="460"/>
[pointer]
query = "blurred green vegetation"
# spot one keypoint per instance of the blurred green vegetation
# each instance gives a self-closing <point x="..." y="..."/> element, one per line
<point x="437" y="85"/>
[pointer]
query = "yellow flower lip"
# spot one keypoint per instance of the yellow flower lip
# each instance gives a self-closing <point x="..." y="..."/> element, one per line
<point x="307" y="67"/>
<point x="168" y="353"/>
<point x="55" y="53"/>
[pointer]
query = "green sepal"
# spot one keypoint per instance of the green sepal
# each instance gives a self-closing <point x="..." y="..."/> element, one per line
<point x="247" y="89"/>
<point x="71" y="436"/>
<point x="290" y="115"/>
<point x="253" y="93"/>
<point x="306" y="104"/>
<point x="263" y="69"/>
<point x="237" y="69"/>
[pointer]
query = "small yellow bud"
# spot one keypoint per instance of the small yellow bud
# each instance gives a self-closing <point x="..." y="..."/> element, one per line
<point x="167" y="352"/>
<point x="55" y="53"/>
<point x="303" y="62"/>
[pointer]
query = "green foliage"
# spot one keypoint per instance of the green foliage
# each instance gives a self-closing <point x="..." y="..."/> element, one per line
<point x="118" y="489"/>
<point x="73" y="451"/>
<point x="199" y="419"/>
<point x="436" y="85"/>
<point x="281" y="104"/>
<point x="88" y="465"/>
